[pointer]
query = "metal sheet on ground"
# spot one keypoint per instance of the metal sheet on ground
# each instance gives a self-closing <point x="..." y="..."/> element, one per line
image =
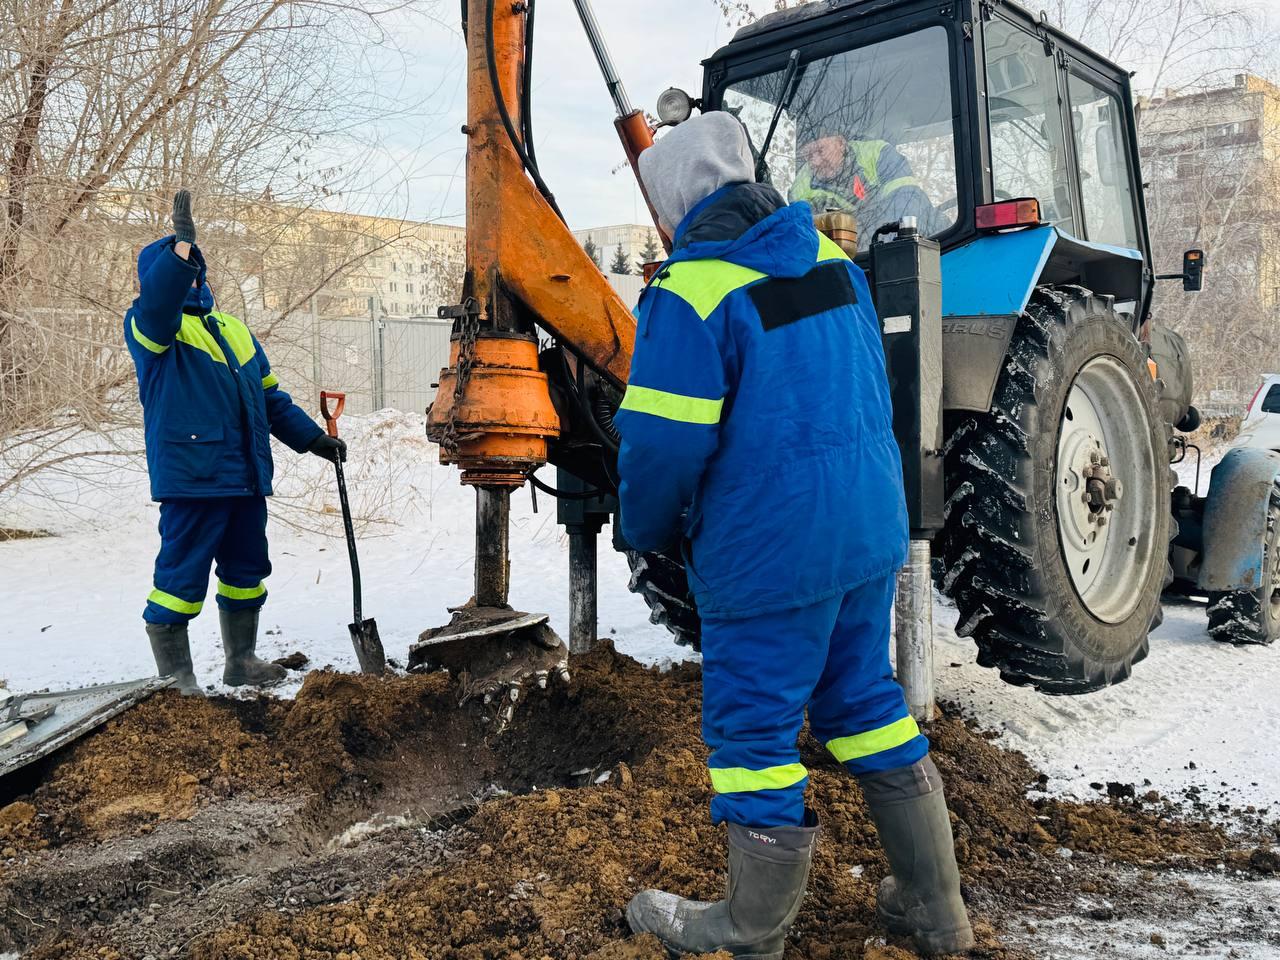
<point x="56" y="719"/>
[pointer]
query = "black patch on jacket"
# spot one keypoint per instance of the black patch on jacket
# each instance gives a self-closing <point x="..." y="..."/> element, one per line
<point x="784" y="300"/>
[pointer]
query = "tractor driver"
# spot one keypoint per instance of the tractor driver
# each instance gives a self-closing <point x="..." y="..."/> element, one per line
<point x="869" y="178"/>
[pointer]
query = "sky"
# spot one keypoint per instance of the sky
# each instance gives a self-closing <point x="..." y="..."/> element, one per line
<point x="416" y="169"/>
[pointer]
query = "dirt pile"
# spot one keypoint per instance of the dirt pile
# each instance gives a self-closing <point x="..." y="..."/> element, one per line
<point x="608" y="794"/>
<point x="172" y="755"/>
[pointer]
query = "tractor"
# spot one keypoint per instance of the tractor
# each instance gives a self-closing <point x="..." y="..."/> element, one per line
<point x="1036" y="401"/>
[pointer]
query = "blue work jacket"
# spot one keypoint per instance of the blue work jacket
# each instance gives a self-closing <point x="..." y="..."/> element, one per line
<point x="209" y="399"/>
<point x="757" y="423"/>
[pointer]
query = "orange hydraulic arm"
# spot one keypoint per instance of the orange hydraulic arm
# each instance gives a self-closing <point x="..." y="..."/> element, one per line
<point x="493" y="415"/>
<point x="524" y="267"/>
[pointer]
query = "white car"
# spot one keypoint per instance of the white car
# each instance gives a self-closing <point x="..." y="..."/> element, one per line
<point x="1261" y="425"/>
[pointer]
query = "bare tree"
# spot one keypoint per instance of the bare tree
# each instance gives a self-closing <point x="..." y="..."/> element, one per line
<point x="106" y="107"/>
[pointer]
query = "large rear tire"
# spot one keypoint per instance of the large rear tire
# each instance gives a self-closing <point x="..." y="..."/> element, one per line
<point x="1058" y="521"/>
<point x="1244" y="617"/>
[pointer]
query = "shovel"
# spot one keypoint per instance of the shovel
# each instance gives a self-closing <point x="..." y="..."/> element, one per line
<point x="364" y="633"/>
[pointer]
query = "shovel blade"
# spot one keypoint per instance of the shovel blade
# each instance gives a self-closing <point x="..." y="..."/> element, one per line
<point x="364" y="637"/>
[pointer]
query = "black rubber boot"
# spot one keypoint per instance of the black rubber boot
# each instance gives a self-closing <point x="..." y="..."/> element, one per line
<point x="172" y="650"/>
<point x="239" y="639"/>
<point x="768" y="871"/>
<point x="921" y="898"/>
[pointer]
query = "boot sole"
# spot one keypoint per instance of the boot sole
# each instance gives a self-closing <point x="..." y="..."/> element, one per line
<point x="676" y="952"/>
<point x="949" y="941"/>
<point x="234" y="680"/>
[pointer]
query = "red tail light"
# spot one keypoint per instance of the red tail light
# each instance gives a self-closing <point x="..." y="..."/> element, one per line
<point x="1023" y="212"/>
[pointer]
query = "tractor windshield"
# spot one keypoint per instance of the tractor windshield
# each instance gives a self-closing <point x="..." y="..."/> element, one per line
<point x="868" y="131"/>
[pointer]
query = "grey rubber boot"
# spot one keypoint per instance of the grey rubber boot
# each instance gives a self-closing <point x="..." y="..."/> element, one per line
<point x="172" y="650"/>
<point x="768" y="871"/>
<point x="239" y="639"/>
<point x="921" y="897"/>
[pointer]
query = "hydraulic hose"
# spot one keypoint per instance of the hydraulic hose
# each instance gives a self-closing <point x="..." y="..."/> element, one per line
<point x="551" y="491"/>
<point x="505" y="115"/>
<point x="526" y="89"/>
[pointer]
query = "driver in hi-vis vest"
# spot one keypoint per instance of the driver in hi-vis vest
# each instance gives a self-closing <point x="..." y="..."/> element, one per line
<point x="869" y="178"/>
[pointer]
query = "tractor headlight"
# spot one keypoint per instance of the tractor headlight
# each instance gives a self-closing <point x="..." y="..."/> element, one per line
<point x="674" y="106"/>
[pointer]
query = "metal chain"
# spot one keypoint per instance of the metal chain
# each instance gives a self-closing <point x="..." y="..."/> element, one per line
<point x="469" y="330"/>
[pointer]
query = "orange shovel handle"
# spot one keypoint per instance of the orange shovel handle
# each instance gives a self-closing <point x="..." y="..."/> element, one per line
<point x="331" y="417"/>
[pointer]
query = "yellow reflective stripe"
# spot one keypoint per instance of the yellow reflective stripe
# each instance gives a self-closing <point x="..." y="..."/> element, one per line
<point x="893" y="185"/>
<point x="704" y="283"/>
<point x="177" y="605"/>
<point x="146" y="341"/>
<point x="194" y="334"/>
<point x="803" y="189"/>
<point x="828" y="249"/>
<point x="240" y="593"/>
<point x="867" y="154"/>
<point x="879" y="740"/>
<point x="237" y="336"/>
<point x="742" y="780"/>
<point x="672" y="406"/>
<point x="269" y="381"/>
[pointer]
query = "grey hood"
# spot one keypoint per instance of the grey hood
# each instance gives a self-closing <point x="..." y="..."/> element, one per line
<point x="693" y="161"/>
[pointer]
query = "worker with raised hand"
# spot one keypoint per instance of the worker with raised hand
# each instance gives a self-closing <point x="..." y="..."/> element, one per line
<point x="210" y="405"/>
<point x="757" y="431"/>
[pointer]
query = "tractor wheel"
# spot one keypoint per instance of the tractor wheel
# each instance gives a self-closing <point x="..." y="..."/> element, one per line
<point x="1252" y="617"/>
<point x="661" y="580"/>
<point x="1058" y="524"/>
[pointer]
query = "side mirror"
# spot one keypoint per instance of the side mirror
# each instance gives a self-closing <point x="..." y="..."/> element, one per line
<point x="1193" y="271"/>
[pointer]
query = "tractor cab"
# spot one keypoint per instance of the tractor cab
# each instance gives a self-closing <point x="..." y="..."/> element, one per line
<point x="932" y="110"/>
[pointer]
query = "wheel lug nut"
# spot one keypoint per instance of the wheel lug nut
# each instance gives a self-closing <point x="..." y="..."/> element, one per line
<point x="1114" y="489"/>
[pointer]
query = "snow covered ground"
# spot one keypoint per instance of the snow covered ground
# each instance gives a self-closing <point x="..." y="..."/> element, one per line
<point x="1196" y="713"/>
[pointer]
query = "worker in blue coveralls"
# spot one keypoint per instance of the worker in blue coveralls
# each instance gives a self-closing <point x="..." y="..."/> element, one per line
<point x="757" y="430"/>
<point x="210" y="405"/>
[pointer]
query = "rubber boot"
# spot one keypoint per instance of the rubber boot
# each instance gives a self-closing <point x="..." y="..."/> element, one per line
<point x="172" y="650"/>
<point x="239" y="638"/>
<point x="768" y="870"/>
<point x="921" y="898"/>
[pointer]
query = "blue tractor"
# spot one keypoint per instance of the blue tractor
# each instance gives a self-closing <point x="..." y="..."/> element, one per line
<point x="984" y="166"/>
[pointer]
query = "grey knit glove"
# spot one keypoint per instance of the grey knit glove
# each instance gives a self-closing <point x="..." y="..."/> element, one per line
<point x="184" y="227"/>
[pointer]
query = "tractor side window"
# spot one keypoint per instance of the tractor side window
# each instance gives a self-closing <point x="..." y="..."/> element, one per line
<point x="1271" y="402"/>
<point x="1106" y="186"/>
<point x="1028" y="145"/>
<point x="869" y="131"/>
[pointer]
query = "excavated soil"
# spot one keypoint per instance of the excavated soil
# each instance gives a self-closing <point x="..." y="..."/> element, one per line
<point x="375" y="819"/>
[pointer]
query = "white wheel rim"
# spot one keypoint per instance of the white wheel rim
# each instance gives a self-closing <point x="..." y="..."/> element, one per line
<point x="1106" y="481"/>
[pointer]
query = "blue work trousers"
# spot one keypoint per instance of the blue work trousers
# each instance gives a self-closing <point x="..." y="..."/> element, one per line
<point x="761" y="673"/>
<point x="194" y="534"/>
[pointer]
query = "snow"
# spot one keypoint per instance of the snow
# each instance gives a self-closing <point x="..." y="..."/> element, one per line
<point x="70" y="605"/>
<point x="70" y="614"/>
